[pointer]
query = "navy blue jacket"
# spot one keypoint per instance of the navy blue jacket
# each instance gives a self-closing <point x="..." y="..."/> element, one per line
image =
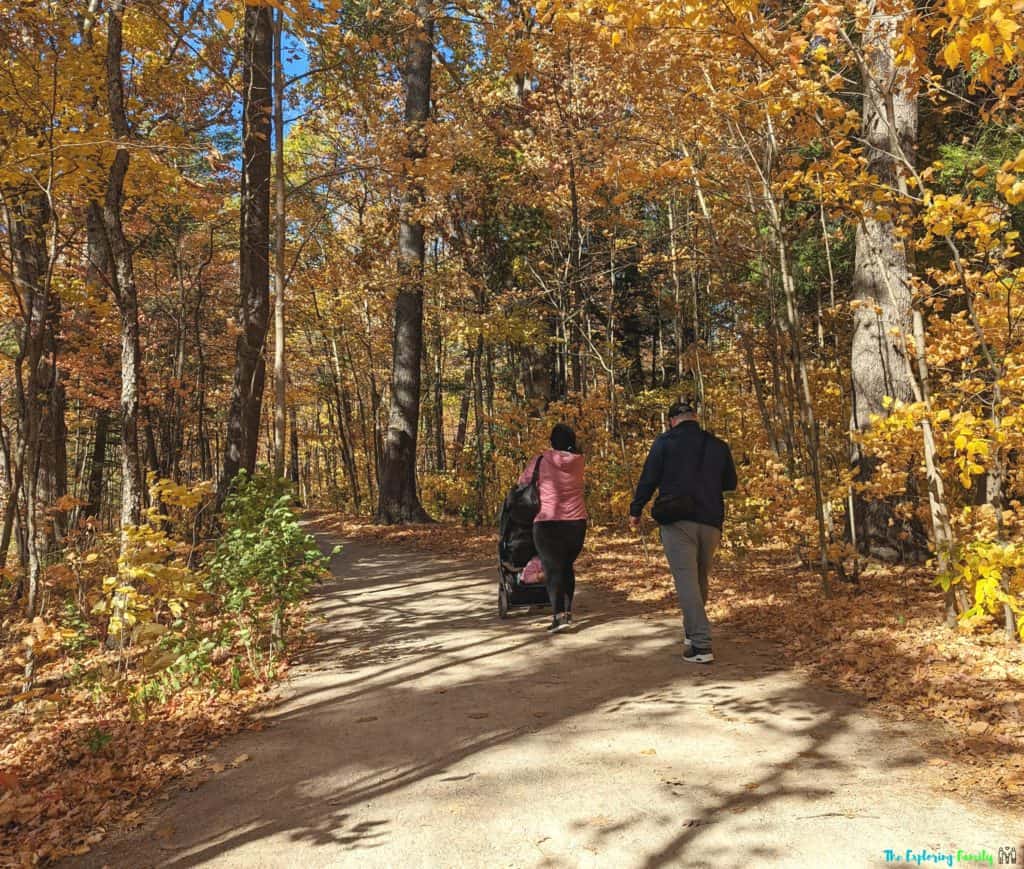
<point x="672" y="469"/>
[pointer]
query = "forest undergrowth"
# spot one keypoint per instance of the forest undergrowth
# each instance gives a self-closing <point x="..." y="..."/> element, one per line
<point x="74" y="764"/>
<point x="132" y="686"/>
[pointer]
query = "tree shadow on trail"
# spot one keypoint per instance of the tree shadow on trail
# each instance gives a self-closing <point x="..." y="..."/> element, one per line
<point x="414" y="675"/>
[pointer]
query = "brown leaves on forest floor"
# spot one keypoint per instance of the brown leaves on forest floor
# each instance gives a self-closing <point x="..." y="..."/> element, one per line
<point x="882" y="639"/>
<point x="441" y="538"/>
<point x="73" y="763"/>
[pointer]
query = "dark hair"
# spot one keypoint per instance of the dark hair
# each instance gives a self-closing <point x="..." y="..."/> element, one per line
<point x="681" y="408"/>
<point x="564" y="438"/>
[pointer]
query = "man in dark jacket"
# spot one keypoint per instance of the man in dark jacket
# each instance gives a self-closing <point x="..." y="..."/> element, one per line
<point x="690" y="468"/>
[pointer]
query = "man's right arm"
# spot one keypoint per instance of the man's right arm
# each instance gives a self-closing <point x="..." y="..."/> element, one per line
<point x="650" y="479"/>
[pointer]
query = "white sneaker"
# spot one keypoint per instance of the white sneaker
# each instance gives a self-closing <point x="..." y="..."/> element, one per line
<point x="558" y="625"/>
<point x="687" y="644"/>
<point x="698" y="656"/>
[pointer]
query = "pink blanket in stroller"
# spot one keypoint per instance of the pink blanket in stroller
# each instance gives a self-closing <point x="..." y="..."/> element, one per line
<point x="533" y="573"/>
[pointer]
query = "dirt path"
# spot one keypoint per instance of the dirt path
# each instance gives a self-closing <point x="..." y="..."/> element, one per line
<point x="423" y="731"/>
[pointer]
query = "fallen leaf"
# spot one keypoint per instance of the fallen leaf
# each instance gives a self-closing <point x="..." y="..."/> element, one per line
<point x="242" y="758"/>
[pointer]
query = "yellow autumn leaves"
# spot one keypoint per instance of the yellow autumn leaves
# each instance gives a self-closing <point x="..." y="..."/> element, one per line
<point x="153" y="571"/>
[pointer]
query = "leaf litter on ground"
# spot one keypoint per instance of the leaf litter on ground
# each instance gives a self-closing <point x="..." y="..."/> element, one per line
<point x="67" y="780"/>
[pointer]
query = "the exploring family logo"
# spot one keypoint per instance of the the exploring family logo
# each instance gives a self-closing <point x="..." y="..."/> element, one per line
<point x="927" y="857"/>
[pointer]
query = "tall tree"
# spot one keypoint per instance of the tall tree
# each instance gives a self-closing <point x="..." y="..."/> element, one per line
<point x="30" y="219"/>
<point x="254" y="246"/>
<point x="118" y="257"/>
<point x="878" y="365"/>
<point x="97" y="279"/>
<point x="399" y="499"/>
<point x="280" y="198"/>
<point x="36" y="462"/>
<point x="121" y="271"/>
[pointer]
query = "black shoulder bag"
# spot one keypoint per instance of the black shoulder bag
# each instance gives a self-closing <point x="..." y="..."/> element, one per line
<point x="678" y="508"/>
<point x="523" y="502"/>
<point x="532" y="497"/>
<point x="515" y="537"/>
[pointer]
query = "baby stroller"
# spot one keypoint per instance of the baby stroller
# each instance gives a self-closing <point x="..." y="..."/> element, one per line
<point x="516" y="549"/>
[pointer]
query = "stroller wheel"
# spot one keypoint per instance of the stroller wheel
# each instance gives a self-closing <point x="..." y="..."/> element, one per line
<point x="502" y="602"/>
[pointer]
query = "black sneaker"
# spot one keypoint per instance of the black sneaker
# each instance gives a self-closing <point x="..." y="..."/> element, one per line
<point x="698" y="656"/>
<point x="687" y="644"/>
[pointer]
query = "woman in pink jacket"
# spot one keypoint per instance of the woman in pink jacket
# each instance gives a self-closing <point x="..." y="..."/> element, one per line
<point x="561" y="524"/>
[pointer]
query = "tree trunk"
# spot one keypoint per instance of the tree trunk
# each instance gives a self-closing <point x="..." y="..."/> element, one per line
<point x="153" y="463"/>
<point x="10" y="515"/>
<point x="537" y="367"/>
<point x="366" y="426"/>
<point x="29" y="219"/>
<point x="346" y="439"/>
<point x="762" y="406"/>
<point x="280" y="371"/>
<point x="883" y="361"/>
<point x="881" y="270"/>
<point x="293" y="473"/>
<point x="439" y="442"/>
<point x="464" y="400"/>
<point x="118" y="255"/>
<point x="254" y="250"/>
<point x="122" y="275"/>
<point x="166" y="436"/>
<point x="677" y="291"/>
<point x="206" y="455"/>
<point x="575" y="294"/>
<point x="801" y="381"/>
<point x="99" y="281"/>
<point x="94" y="492"/>
<point x="53" y="446"/>
<point x="399" y="500"/>
<point x="478" y="417"/>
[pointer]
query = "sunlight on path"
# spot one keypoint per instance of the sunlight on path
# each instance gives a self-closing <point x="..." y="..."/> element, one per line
<point x="424" y="731"/>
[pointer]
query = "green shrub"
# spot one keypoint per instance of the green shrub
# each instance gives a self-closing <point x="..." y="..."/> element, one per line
<point x="77" y="637"/>
<point x="264" y="563"/>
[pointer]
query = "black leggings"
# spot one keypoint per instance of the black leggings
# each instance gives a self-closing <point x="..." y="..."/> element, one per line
<point x="558" y="544"/>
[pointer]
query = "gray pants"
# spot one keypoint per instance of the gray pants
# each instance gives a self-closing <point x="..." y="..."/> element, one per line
<point x="690" y="548"/>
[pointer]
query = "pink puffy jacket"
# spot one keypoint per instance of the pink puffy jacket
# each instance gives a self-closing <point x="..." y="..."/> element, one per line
<point x="560" y="484"/>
